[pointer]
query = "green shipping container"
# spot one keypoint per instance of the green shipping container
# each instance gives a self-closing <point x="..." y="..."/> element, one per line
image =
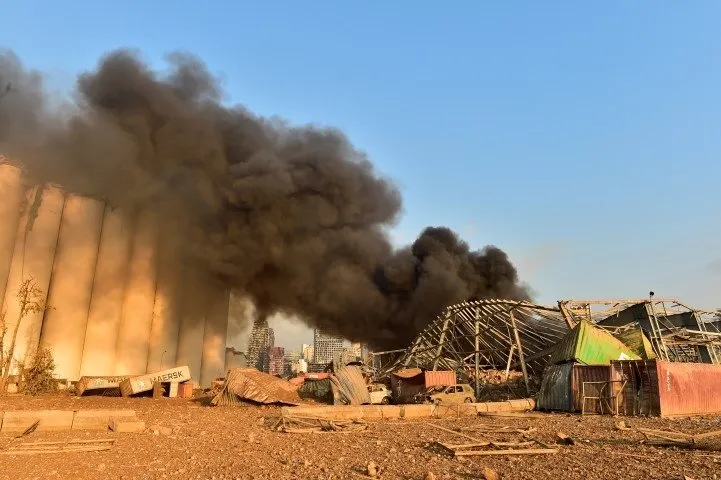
<point x="591" y="345"/>
<point x="637" y="341"/>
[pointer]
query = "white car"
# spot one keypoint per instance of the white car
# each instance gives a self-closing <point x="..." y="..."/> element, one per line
<point x="379" y="394"/>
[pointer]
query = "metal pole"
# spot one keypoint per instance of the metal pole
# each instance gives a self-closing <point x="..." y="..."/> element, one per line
<point x="477" y="346"/>
<point x="508" y="364"/>
<point x="520" y="352"/>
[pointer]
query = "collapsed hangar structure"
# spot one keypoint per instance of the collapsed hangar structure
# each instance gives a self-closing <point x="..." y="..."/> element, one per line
<point x="113" y="289"/>
<point x="507" y="334"/>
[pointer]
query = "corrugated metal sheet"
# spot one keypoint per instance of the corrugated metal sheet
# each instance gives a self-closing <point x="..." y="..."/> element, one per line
<point x="251" y="384"/>
<point x="555" y="392"/>
<point x="440" y="377"/>
<point x="589" y="373"/>
<point x="590" y="345"/>
<point x="349" y="387"/>
<point x="689" y="388"/>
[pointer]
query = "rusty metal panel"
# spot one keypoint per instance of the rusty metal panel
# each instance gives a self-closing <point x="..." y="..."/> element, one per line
<point x="555" y="392"/>
<point x="439" y="378"/>
<point x="689" y="388"/>
<point x="589" y="373"/>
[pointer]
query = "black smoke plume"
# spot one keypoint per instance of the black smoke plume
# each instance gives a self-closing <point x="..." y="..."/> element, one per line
<point x="293" y="216"/>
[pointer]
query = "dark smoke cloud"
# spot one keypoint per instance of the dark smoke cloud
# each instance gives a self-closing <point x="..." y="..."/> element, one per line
<point x="293" y="216"/>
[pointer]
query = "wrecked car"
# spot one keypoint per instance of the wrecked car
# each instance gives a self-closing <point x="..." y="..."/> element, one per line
<point x="460" y="393"/>
<point x="379" y="394"/>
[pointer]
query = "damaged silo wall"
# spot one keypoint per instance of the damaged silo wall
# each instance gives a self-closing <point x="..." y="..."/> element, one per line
<point x="71" y="284"/>
<point x="11" y="197"/>
<point x="106" y="303"/>
<point x="214" y="336"/>
<point x="166" y="309"/>
<point x="192" y="323"/>
<point x="136" y="321"/>
<point x="120" y="298"/>
<point x="33" y="257"/>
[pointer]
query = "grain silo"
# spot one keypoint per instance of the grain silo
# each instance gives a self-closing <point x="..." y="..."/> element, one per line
<point x="71" y="284"/>
<point x="134" y="337"/>
<point x="12" y="188"/>
<point x="32" y="264"/>
<point x="106" y="303"/>
<point x="119" y="298"/>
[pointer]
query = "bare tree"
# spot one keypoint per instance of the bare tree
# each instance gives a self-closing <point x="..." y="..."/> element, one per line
<point x="31" y="300"/>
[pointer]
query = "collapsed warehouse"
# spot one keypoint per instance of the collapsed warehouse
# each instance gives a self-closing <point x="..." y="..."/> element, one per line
<point x="602" y="356"/>
<point x="117" y="302"/>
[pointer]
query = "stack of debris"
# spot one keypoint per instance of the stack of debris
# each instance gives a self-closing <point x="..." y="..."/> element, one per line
<point x="578" y="375"/>
<point x="170" y="382"/>
<point x="301" y="424"/>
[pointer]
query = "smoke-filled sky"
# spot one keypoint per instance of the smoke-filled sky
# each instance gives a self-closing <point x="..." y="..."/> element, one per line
<point x="295" y="217"/>
<point x="586" y="149"/>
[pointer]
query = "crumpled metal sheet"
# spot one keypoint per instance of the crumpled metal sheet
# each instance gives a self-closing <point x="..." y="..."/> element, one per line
<point x="251" y="384"/>
<point x="350" y="387"/>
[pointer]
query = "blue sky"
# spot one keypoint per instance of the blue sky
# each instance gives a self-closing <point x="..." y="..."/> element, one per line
<point x="582" y="140"/>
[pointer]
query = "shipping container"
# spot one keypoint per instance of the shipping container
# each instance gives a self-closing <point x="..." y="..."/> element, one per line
<point x="563" y="388"/>
<point x="597" y="389"/>
<point x="668" y="389"/>
<point x="636" y="387"/>
<point x="590" y="345"/>
<point x="439" y="378"/>
<point x="555" y="392"/>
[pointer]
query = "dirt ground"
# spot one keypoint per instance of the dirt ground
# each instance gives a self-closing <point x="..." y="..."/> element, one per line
<point x="236" y="443"/>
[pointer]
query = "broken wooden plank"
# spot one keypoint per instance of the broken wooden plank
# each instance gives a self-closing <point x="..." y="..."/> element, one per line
<point x="487" y="444"/>
<point x="34" y="451"/>
<point x="68" y="442"/>
<point x="448" y="430"/>
<point x="530" y="451"/>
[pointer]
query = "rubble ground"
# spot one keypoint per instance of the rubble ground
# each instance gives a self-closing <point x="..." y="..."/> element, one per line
<point x="187" y="439"/>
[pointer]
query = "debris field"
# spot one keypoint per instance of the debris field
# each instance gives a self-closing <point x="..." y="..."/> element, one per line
<point x="189" y="439"/>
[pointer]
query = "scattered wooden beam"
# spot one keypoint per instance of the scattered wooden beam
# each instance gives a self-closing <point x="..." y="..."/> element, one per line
<point x="529" y="451"/>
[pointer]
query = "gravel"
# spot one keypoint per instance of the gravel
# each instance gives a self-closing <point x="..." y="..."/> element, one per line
<point x="190" y="440"/>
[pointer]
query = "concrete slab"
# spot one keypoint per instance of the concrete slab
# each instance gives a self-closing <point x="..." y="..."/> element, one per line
<point x="126" y="425"/>
<point x="16" y="421"/>
<point x="98" y="419"/>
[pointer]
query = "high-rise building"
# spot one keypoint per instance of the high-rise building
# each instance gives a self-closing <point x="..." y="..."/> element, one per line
<point x="276" y="360"/>
<point x="261" y="337"/>
<point x="307" y="352"/>
<point x="327" y="346"/>
<point x="291" y="362"/>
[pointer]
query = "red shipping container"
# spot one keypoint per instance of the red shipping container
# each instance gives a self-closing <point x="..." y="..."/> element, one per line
<point x="439" y="378"/>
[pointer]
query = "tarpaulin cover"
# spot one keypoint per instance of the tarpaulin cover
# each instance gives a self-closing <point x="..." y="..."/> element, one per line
<point x="350" y="387"/>
<point x="590" y="345"/>
<point x="406" y="384"/>
<point x="319" y="390"/>
<point x="251" y="384"/>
